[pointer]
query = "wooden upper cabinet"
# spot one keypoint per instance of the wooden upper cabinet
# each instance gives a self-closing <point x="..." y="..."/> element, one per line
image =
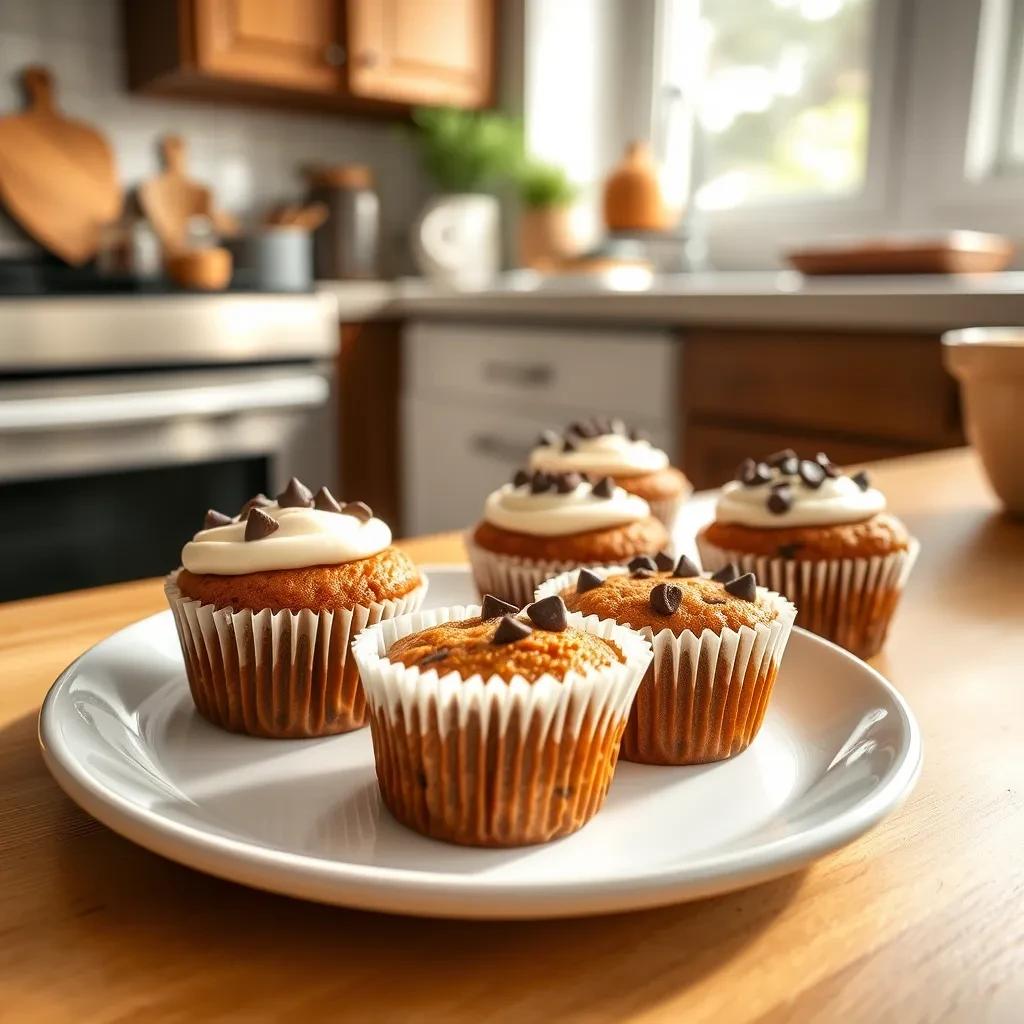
<point x="347" y="54"/>
<point x="294" y="44"/>
<point x="422" y="51"/>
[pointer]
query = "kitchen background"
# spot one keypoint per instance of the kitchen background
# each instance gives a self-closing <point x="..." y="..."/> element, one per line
<point x="525" y="212"/>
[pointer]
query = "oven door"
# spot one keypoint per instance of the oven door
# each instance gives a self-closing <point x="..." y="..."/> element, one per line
<point x="103" y="477"/>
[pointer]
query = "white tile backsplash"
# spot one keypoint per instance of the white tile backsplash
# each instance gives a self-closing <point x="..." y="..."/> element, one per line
<point x="251" y="157"/>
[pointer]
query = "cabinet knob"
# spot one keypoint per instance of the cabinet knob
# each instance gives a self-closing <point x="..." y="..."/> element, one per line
<point x="334" y="55"/>
<point x="368" y="59"/>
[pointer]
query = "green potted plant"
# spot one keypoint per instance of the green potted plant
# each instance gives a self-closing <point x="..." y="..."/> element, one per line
<point x="546" y="232"/>
<point x="457" y="238"/>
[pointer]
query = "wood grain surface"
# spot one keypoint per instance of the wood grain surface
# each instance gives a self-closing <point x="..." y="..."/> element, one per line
<point x="921" y="920"/>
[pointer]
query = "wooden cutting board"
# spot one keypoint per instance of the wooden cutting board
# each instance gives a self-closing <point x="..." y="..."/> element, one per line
<point x="57" y="176"/>
<point x="170" y="199"/>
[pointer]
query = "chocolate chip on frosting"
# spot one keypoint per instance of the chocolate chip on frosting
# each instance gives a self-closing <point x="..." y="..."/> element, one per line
<point x="729" y="571"/>
<point x="604" y="488"/>
<point x="566" y="483"/>
<point x="325" y="501"/>
<point x="642" y="562"/>
<point x="829" y="467"/>
<point x="751" y="473"/>
<point x="862" y="480"/>
<point x="581" y="428"/>
<point x="685" y="568"/>
<point x="664" y="561"/>
<point x="743" y="587"/>
<point x="637" y="435"/>
<point x="359" y="509"/>
<point x="587" y="580"/>
<point x="778" y="458"/>
<point x="780" y="500"/>
<point x="215" y="518"/>
<point x="568" y="445"/>
<point x="510" y="630"/>
<point x="540" y="483"/>
<point x="548" y="613"/>
<point x="493" y="606"/>
<point x="257" y="501"/>
<point x="259" y="525"/>
<point x="789" y="467"/>
<point x="521" y="478"/>
<point x="548" y="438"/>
<point x="812" y="474"/>
<point x="665" y="598"/>
<point x="295" y="495"/>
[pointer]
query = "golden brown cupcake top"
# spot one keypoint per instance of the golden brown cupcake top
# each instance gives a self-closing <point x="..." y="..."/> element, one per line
<point x="503" y="642"/>
<point x="678" y="599"/>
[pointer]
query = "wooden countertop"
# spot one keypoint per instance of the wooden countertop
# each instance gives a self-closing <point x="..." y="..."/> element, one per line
<point x="921" y="920"/>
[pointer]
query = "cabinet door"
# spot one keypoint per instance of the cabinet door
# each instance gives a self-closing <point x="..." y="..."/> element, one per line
<point x="270" y="42"/>
<point x="413" y="51"/>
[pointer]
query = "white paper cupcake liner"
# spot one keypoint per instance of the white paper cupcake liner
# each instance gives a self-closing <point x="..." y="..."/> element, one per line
<point x="489" y="762"/>
<point x="850" y="601"/>
<point x="279" y="674"/>
<point x="703" y="698"/>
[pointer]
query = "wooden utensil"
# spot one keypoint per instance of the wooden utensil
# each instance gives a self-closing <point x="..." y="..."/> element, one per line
<point x="294" y="215"/>
<point x="171" y="199"/>
<point x="57" y="175"/>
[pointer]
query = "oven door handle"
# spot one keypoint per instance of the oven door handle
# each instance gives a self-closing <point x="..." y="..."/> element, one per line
<point x="34" y="414"/>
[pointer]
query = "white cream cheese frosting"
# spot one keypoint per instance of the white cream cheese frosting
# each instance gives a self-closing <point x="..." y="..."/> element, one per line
<point x="304" y="537"/>
<point x="551" y="514"/>
<point x="836" y="500"/>
<point x="610" y="454"/>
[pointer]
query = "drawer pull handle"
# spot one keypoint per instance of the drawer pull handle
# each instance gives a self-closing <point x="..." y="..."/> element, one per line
<point x="521" y="374"/>
<point x="496" y="447"/>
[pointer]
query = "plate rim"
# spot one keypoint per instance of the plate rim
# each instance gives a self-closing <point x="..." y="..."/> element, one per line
<point x="375" y="887"/>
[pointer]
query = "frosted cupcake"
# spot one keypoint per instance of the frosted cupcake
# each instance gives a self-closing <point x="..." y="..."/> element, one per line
<point x="267" y="602"/>
<point x="820" y="536"/>
<point x="542" y="524"/>
<point x="606" y="447"/>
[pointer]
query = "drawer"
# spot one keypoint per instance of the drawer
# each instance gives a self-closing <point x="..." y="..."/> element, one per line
<point x="588" y="371"/>
<point x="871" y="386"/>
<point x="454" y="455"/>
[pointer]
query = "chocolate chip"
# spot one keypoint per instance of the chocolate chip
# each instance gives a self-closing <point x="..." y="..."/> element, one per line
<point x="790" y="467"/>
<point x="259" y="525"/>
<point x="215" y="518"/>
<point x="494" y="606"/>
<point x="637" y="435"/>
<point x="665" y="598"/>
<point x="603" y="425"/>
<point x="439" y="655"/>
<point x="812" y="474"/>
<point x="617" y="426"/>
<point x="788" y="550"/>
<point x="259" y="501"/>
<point x="831" y="471"/>
<point x="548" y="439"/>
<point x="751" y="473"/>
<point x="744" y="469"/>
<point x="777" y="458"/>
<point x="664" y="561"/>
<point x="643" y="574"/>
<point x="295" y="495"/>
<point x="582" y="429"/>
<point x="566" y="483"/>
<point x="521" y="477"/>
<point x="862" y="480"/>
<point x="548" y="613"/>
<point x="744" y="587"/>
<point x="729" y="571"/>
<point x="568" y="445"/>
<point x="510" y="630"/>
<point x="540" y="483"/>
<point x="780" y="500"/>
<point x="642" y="562"/>
<point x="604" y="488"/>
<point x="325" y="501"/>
<point x="587" y="580"/>
<point x="685" y="568"/>
<point x="359" y="509"/>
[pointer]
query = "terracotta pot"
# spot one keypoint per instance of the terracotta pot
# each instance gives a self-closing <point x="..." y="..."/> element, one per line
<point x="989" y="363"/>
<point x="632" y="194"/>
<point x="547" y="237"/>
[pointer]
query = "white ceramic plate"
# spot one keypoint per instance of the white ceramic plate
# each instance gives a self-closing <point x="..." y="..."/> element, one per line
<point x="839" y="749"/>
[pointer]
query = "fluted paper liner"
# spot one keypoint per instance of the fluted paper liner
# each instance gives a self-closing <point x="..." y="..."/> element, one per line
<point x="284" y="675"/>
<point x="850" y="601"/>
<point x="703" y="698"/>
<point x="488" y="762"/>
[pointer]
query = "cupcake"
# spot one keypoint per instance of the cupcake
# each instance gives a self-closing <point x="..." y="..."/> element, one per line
<point x="268" y="601"/>
<point x="717" y="641"/>
<point x="605" y="447"/>
<point x="819" y="536"/>
<point x="493" y="727"/>
<point x="542" y="524"/>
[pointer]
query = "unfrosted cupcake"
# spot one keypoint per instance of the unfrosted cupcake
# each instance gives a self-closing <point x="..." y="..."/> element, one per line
<point x="821" y="537"/>
<point x="542" y="524"/>
<point x="606" y="447"/>
<point x="718" y="642"/>
<point x="267" y="602"/>
<point x="493" y="727"/>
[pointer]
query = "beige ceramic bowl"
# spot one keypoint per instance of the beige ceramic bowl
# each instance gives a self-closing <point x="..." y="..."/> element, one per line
<point x="989" y="363"/>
